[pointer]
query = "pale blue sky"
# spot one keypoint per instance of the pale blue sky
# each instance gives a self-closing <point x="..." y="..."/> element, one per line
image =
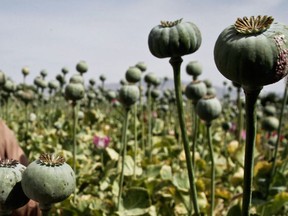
<point x="112" y="35"/>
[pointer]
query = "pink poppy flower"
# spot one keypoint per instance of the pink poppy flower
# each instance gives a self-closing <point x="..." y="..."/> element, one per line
<point x="101" y="142"/>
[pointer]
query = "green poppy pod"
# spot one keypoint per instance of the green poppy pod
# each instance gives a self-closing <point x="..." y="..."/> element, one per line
<point x="111" y="95"/>
<point x="82" y="67"/>
<point x="151" y="78"/>
<point x="65" y="70"/>
<point x="40" y="82"/>
<point x="133" y="74"/>
<point x="270" y="123"/>
<point x="43" y="73"/>
<point x="123" y="82"/>
<point x="12" y="195"/>
<point x="142" y="66"/>
<point x="48" y="180"/>
<point x="259" y="115"/>
<point x="53" y="84"/>
<point x="74" y="91"/>
<point x="156" y="82"/>
<point x="9" y="86"/>
<point x="226" y="126"/>
<point x="26" y="95"/>
<point x="208" y="108"/>
<point x="61" y="79"/>
<point x="155" y="93"/>
<point x="269" y="110"/>
<point x="2" y="78"/>
<point x="208" y="83"/>
<point x="102" y="78"/>
<point x="194" y="69"/>
<point x="211" y="91"/>
<point x="92" y="82"/>
<point x="164" y="108"/>
<point x="76" y="78"/>
<point x="129" y="95"/>
<point x="25" y="71"/>
<point x="195" y="90"/>
<point x="253" y="52"/>
<point x="167" y="93"/>
<point x="91" y="95"/>
<point x="174" y="39"/>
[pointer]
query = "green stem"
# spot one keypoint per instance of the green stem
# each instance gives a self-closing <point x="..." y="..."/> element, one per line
<point x="208" y="126"/>
<point x="141" y="117"/>
<point x="26" y="123"/>
<point x="135" y="140"/>
<point x="124" y="150"/>
<point x="176" y="64"/>
<point x="279" y="132"/>
<point x="240" y="119"/>
<point x="75" y="118"/>
<point x="74" y="134"/>
<point x="149" y="123"/>
<point x="250" y="108"/>
<point x="195" y="131"/>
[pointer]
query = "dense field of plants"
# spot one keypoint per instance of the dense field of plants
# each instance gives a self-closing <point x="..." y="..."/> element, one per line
<point x="131" y="147"/>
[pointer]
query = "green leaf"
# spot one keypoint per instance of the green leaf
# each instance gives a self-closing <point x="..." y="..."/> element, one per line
<point x="166" y="172"/>
<point x="180" y="180"/>
<point x="153" y="171"/>
<point x="158" y="126"/>
<point x="135" y="202"/>
<point x="129" y="167"/>
<point x="112" y="153"/>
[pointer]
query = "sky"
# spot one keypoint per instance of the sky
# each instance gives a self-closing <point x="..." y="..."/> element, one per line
<point x="112" y="35"/>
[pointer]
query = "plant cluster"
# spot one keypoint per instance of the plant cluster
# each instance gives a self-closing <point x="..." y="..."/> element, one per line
<point x="147" y="149"/>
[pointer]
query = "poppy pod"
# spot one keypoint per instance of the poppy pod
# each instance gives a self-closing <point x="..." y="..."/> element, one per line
<point x="2" y="78"/>
<point x="48" y="180"/>
<point x="174" y="39"/>
<point x="142" y="66"/>
<point x="65" y="70"/>
<point x="195" y="90"/>
<point x="151" y="78"/>
<point x="270" y="123"/>
<point x="53" y="84"/>
<point x="102" y="78"/>
<point x="253" y="52"/>
<point x="133" y="74"/>
<point x="74" y="91"/>
<point x="11" y="193"/>
<point x="9" y="86"/>
<point x="129" y="95"/>
<point x="76" y="78"/>
<point x="25" y="71"/>
<point x="82" y="67"/>
<point x="40" y="82"/>
<point x="208" y="108"/>
<point x="194" y="69"/>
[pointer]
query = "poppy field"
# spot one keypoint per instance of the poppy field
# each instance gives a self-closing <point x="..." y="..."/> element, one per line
<point x="149" y="147"/>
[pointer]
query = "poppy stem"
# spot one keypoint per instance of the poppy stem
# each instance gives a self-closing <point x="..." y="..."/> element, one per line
<point x="124" y="150"/>
<point x="251" y="97"/>
<point x="208" y="127"/>
<point x="176" y="64"/>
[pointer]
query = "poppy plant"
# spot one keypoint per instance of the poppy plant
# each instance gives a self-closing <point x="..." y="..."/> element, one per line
<point x="101" y="142"/>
